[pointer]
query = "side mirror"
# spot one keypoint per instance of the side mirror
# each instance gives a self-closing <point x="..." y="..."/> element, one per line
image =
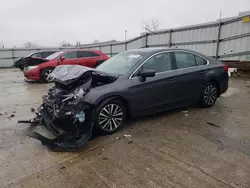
<point x="62" y="58"/>
<point x="147" y="73"/>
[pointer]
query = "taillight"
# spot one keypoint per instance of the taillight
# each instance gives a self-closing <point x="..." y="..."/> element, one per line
<point x="225" y="67"/>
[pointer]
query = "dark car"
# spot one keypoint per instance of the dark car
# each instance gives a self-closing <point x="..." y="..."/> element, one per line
<point x="132" y="83"/>
<point x="32" y="59"/>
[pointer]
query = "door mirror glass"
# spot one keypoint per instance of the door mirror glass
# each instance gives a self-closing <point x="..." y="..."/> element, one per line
<point x="146" y="73"/>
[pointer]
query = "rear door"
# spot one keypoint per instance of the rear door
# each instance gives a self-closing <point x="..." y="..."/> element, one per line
<point x="191" y="70"/>
<point x="87" y="58"/>
<point x="155" y="92"/>
<point x="70" y="58"/>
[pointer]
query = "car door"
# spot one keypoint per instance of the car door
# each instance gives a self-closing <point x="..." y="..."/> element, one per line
<point x="70" y="58"/>
<point x="155" y="93"/>
<point x="191" y="77"/>
<point x="87" y="58"/>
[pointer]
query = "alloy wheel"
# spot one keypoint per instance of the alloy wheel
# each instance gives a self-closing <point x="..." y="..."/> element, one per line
<point x="111" y="117"/>
<point x="48" y="77"/>
<point x="210" y="95"/>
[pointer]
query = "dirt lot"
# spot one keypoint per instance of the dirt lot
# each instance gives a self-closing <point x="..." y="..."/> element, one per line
<point x="171" y="149"/>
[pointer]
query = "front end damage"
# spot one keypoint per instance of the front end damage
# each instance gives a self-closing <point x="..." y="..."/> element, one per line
<point x="64" y="111"/>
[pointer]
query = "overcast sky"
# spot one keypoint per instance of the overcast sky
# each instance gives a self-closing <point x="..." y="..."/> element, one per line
<point x="49" y="22"/>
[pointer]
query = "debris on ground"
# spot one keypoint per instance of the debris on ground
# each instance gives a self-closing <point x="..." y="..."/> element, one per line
<point x="11" y="116"/>
<point x="209" y="123"/>
<point x="63" y="167"/>
<point x="185" y="111"/>
<point x="127" y="135"/>
<point x="186" y="115"/>
<point x="117" y="138"/>
<point x="32" y="110"/>
<point x="130" y="142"/>
<point x="104" y="158"/>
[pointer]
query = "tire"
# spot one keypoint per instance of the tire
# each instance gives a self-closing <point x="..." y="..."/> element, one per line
<point x="110" y="116"/>
<point x="45" y="75"/>
<point x="209" y="95"/>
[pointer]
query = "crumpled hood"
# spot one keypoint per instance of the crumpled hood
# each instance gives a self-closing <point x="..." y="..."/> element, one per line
<point x="67" y="74"/>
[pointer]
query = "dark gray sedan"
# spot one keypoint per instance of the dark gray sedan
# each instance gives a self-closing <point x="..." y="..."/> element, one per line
<point x="132" y="83"/>
<point x="156" y="79"/>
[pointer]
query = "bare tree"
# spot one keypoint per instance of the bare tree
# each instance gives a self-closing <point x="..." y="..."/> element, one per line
<point x="150" y="26"/>
<point x="78" y="43"/>
<point x="65" y="44"/>
<point x="30" y="45"/>
<point x="96" y="41"/>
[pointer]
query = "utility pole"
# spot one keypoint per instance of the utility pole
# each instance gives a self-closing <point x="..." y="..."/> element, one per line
<point x="125" y="35"/>
<point x="2" y="44"/>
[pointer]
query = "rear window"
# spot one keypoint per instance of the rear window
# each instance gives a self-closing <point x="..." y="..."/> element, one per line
<point x="82" y="54"/>
<point x="200" y="61"/>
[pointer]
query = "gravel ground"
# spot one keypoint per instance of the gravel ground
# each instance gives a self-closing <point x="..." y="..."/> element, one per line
<point x="190" y="147"/>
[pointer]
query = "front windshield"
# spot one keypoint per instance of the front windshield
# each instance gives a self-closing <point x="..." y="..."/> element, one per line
<point x="120" y="64"/>
<point x="54" y="55"/>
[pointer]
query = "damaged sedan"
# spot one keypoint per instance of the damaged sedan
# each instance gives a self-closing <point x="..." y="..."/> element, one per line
<point x="132" y="83"/>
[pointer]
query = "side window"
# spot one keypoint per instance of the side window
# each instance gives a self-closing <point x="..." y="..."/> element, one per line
<point x="200" y="61"/>
<point x="184" y="60"/>
<point x="70" y="55"/>
<point x="82" y="54"/>
<point x="36" y="55"/>
<point x="159" y="63"/>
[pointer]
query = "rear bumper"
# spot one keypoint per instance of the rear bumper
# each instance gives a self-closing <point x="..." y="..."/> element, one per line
<point x="223" y="86"/>
<point x="33" y="74"/>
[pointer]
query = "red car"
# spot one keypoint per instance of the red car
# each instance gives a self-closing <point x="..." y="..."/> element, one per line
<point x="41" y="71"/>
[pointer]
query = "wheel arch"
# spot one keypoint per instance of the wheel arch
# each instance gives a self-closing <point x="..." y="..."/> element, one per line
<point x="217" y="85"/>
<point x="42" y="69"/>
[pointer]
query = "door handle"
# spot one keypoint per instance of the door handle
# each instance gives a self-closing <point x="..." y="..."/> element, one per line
<point x="202" y="72"/>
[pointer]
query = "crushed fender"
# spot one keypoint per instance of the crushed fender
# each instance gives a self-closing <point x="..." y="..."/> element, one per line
<point x="64" y="111"/>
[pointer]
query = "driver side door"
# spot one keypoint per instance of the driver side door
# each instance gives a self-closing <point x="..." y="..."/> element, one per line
<point x="71" y="58"/>
<point x="155" y="93"/>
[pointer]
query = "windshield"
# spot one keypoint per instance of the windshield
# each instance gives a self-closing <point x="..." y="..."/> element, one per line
<point x="54" y="55"/>
<point x="120" y="64"/>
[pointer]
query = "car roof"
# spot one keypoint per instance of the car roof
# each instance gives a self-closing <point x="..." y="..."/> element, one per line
<point x="157" y="49"/>
<point x="86" y="50"/>
<point x="153" y="50"/>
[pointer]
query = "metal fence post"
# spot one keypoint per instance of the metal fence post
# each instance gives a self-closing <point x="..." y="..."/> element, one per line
<point x="125" y="46"/>
<point x="218" y="41"/>
<point x="111" y="50"/>
<point x="13" y="55"/>
<point x="170" y="38"/>
<point x="146" y="40"/>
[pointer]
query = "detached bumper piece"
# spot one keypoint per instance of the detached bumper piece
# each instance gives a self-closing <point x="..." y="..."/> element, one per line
<point x="64" y="142"/>
<point x="72" y="128"/>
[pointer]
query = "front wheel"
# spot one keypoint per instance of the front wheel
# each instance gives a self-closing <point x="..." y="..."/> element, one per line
<point x="209" y="95"/>
<point x="45" y="75"/>
<point x="110" y="116"/>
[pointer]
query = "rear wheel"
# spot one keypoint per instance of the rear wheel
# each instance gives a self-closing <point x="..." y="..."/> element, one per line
<point x="209" y="95"/>
<point x="45" y="75"/>
<point x="110" y="116"/>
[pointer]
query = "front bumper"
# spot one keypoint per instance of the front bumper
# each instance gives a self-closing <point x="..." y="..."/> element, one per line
<point x="71" y="133"/>
<point x="33" y="74"/>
